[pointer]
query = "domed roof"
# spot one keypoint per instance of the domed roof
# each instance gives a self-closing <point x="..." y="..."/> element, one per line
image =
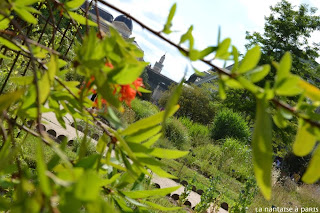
<point x="125" y="20"/>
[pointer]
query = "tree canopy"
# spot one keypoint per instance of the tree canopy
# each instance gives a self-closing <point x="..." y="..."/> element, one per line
<point x="289" y="28"/>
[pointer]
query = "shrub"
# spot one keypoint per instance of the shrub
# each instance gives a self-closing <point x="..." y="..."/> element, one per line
<point x="236" y="159"/>
<point x="143" y="109"/>
<point x="194" y="129"/>
<point x="194" y="102"/>
<point x="177" y="133"/>
<point x="229" y="124"/>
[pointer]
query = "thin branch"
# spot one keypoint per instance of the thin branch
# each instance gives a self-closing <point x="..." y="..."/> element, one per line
<point x="158" y="34"/>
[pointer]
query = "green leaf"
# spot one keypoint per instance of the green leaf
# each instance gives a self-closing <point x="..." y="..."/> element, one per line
<point x="313" y="171"/>
<point x="152" y="140"/>
<point x="4" y="23"/>
<point x="26" y="2"/>
<point x="250" y="60"/>
<point x="258" y="73"/>
<point x="235" y="54"/>
<point x="168" y="24"/>
<point x="279" y="120"/>
<point x="159" y="207"/>
<point x="262" y="148"/>
<point x="160" y="172"/>
<point x="305" y="139"/>
<point x="41" y="169"/>
<point x="188" y="37"/>
<point x="127" y="74"/>
<point x="288" y="86"/>
<point x="222" y="90"/>
<point x="23" y="80"/>
<point x="9" y="44"/>
<point x="74" y="4"/>
<point x="9" y="98"/>
<point x="172" y="102"/>
<point x="147" y="122"/>
<point x="284" y="67"/>
<point x="167" y="153"/>
<point x="88" y="186"/>
<point x="310" y="91"/>
<point x="144" y="134"/>
<point x="233" y="84"/>
<point x="25" y="15"/>
<point x="81" y="19"/>
<point x="222" y="51"/>
<point x="150" y="193"/>
<point x="47" y="79"/>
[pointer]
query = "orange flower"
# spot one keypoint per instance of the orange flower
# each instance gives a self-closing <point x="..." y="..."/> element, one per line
<point x="108" y="64"/>
<point x="128" y="93"/>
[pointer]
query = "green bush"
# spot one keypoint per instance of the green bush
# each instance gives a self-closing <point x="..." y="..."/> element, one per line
<point x="177" y="133"/>
<point x="236" y="159"/>
<point x="194" y="129"/>
<point x="230" y="124"/>
<point x="143" y="109"/>
<point x="90" y="146"/>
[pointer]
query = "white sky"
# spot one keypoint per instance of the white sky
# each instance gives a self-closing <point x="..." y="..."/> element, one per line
<point x="235" y="17"/>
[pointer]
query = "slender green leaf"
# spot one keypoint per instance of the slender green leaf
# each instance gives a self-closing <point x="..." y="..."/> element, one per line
<point x="222" y="90"/>
<point x="26" y="2"/>
<point x="144" y="134"/>
<point x="150" y="193"/>
<point x="25" y="15"/>
<point x="222" y="51"/>
<point x="172" y="102"/>
<point x="152" y="140"/>
<point x="284" y="67"/>
<point x="147" y="122"/>
<point x="305" y="139"/>
<point x="159" y="207"/>
<point x="88" y="186"/>
<point x="313" y="171"/>
<point x="74" y="4"/>
<point x="42" y="168"/>
<point x="288" y="86"/>
<point x="9" y="44"/>
<point x="9" y="98"/>
<point x="279" y="120"/>
<point x="235" y="54"/>
<point x="262" y="148"/>
<point x="167" y="153"/>
<point x="258" y="73"/>
<point x="250" y="60"/>
<point x="160" y="172"/>
<point x="310" y="91"/>
<point x="81" y="19"/>
<point x="168" y="24"/>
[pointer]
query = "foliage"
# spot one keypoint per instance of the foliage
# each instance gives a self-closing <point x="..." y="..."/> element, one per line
<point x="210" y="195"/>
<point x="194" y="129"/>
<point x="288" y="29"/>
<point x="108" y="181"/>
<point x="245" y="197"/>
<point x="143" y="108"/>
<point x="228" y="123"/>
<point x="194" y="104"/>
<point x="177" y="133"/>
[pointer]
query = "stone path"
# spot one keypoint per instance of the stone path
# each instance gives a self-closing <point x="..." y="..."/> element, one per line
<point x="50" y="122"/>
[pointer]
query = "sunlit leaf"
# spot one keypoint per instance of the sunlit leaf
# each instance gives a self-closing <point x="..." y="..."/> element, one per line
<point x="262" y="148"/>
<point x="310" y="91"/>
<point x="250" y="60"/>
<point x="168" y="24"/>
<point x="305" y="139"/>
<point x="9" y="98"/>
<point x="25" y="15"/>
<point x="81" y="19"/>
<point x="41" y="169"/>
<point x="9" y="44"/>
<point x="284" y="67"/>
<point x="74" y="4"/>
<point x="222" y="51"/>
<point x="167" y="153"/>
<point x="151" y="193"/>
<point x="258" y="73"/>
<point x="313" y="171"/>
<point x="288" y="86"/>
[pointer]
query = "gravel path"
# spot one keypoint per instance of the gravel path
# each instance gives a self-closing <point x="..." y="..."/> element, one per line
<point x="50" y="121"/>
